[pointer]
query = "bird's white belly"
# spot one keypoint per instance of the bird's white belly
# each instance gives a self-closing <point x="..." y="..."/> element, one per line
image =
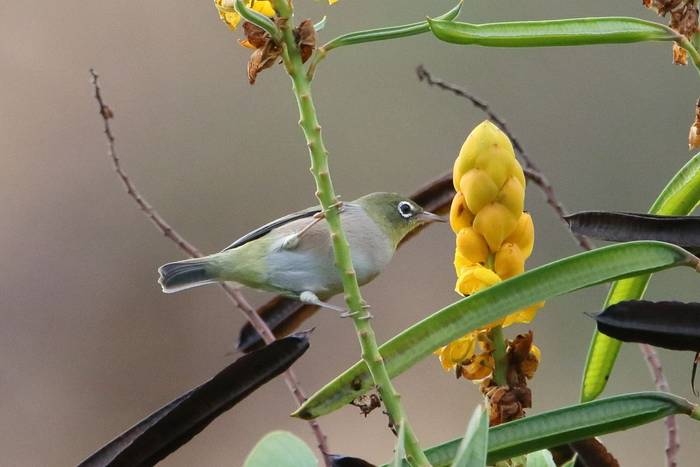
<point x="311" y="265"/>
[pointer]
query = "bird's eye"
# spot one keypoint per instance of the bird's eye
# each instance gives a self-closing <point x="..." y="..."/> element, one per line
<point x="405" y="209"/>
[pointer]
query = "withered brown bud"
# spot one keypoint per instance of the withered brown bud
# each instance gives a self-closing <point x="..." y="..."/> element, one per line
<point x="305" y="35"/>
<point x="680" y="56"/>
<point x="256" y="36"/>
<point x="262" y="58"/>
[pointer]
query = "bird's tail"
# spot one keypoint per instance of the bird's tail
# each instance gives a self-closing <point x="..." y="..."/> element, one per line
<point x="182" y="275"/>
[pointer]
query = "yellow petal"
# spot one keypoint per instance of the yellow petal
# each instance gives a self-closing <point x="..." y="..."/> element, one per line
<point x="472" y="246"/>
<point x="227" y="14"/>
<point x="474" y="278"/>
<point x="525" y="315"/>
<point x="509" y="261"/>
<point x="523" y="235"/>
<point x="512" y="196"/>
<point x="461" y="349"/>
<point x="495" y="222"/>
<point x="263" y="7"/>
<point x="481" y="367"/>
<point x="478" y="189"/>
<point x="460" y="216"/>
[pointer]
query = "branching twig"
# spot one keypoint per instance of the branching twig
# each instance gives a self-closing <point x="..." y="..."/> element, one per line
<point x="188" y="248"/>
<point x="533" y="173"/>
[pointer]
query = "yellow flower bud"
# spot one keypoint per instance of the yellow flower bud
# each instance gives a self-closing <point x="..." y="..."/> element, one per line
<point x="484" y="140"/>
<point x="495" y="222"/>
<point x="509" y="261"/>
<point x="517" y="172"/>
<point x="472" y="246"/>
<point x="478" y="189"/>
<point x="462" y="165"/>
<point x="523" y="235"/>
<point x="497" y="162"/>
<point x="512" y="196"/>
<point x="474" y="278"/>
<point x="460" y="216"/>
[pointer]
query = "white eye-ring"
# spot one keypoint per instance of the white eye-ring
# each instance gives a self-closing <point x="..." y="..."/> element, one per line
<point x="405" y="209"/>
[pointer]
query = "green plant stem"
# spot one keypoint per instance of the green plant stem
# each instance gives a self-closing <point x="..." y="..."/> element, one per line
<point x="326" y="196"/>
<point x="500" y="358"/>
<point x="692" y="51"/>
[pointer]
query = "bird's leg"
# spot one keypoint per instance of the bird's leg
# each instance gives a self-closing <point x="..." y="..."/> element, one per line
<point x="292" y="241"/>
<point x="310" y="298"/>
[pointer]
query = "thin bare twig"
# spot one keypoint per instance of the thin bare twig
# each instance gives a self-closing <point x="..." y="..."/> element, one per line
<point x="534" y="174"/>
<point x="672" y="437"/>
<point x="188" y="248"/>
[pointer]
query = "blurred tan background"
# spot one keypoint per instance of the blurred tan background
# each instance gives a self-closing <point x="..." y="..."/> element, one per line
<point x="88" y="343"/>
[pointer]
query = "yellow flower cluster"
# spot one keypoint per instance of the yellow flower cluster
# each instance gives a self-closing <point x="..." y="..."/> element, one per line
<point x="494" y="235"/>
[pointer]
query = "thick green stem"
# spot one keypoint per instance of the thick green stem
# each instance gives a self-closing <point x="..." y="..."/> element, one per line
<point x="692" y="51"/>
<point x="500" y="358"/>
<point x="327" y="197"/>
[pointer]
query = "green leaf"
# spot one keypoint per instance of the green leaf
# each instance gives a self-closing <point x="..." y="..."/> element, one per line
<point x="569" y="424"/>
<point x="392" y="32"/>
<point x="474" y="446"/>
<point x="541" y="458"/>
<point x="495" y="302"/>
<point x="577" y="31"/>
<point x="281" y="449"/>
<point x="679" y="197"/>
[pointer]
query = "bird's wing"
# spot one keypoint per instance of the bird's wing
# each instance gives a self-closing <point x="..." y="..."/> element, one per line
<point x="267" y="228"/>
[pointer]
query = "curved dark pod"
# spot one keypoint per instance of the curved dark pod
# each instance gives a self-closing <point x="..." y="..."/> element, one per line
<point x="170" y="427"/>
<point x="672" y="325"/>
<point x="683" y="231"/>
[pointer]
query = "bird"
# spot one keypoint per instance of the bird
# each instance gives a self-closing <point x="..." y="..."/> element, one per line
<point x="293" y="255"/>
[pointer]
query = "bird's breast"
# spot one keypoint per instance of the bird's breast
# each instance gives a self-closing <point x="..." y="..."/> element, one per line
<point x="311" y="264"/>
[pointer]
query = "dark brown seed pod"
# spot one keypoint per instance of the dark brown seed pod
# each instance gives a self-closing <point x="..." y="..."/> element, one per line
<point x="282" y="314"/>
<point x="683" y="231"/>
<point x="671" y="325"/>
<point x="170" y="427"/>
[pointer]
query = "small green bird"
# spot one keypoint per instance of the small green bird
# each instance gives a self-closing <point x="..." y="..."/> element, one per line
<point x="293" y="255"/>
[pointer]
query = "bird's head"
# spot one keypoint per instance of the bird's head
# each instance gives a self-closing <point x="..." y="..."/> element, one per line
<point x="395" y="214"/>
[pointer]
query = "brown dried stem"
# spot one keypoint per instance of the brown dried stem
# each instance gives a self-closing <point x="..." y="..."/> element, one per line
<point x="188" y="248"/>
<point x="533" y="173"/>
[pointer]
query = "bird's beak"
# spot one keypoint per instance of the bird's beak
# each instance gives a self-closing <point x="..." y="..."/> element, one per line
<point x="428" y="217"/>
